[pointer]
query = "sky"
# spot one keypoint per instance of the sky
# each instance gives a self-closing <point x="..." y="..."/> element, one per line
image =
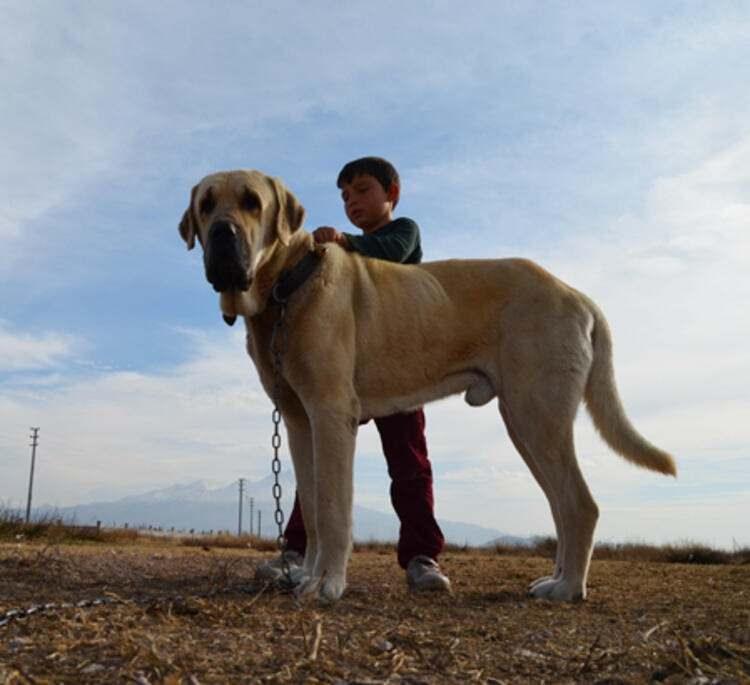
<point x="610" y="142"/>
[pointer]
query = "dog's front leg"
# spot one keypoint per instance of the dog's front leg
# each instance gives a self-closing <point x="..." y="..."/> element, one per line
<point x="334" y="429"/>
<point x="301" y="448"/>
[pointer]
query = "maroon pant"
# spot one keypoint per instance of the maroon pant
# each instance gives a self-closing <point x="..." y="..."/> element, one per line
<point x="405" y="450"/>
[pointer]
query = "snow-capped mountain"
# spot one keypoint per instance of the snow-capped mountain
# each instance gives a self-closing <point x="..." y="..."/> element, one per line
<point x="199" y="507"/>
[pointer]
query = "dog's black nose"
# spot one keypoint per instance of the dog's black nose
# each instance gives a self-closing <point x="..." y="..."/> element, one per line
<point x="226" y="258"/>
<point x="221" y="230"/>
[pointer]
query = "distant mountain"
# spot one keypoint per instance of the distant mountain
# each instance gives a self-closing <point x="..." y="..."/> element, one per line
<point x="199" y="507"/>
<point x="512" y="541"/>
<point x="199" y="491"/>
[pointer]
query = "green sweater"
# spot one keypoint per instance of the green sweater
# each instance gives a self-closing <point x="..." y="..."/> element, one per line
<point x="397" y="241"/>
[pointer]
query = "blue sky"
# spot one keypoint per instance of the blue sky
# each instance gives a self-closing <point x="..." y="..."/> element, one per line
<point x="611" y="143"/>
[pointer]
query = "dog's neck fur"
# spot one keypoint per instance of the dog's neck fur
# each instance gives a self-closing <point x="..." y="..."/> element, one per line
<point x="282" y="258"/>
<point x="260" y="324"/>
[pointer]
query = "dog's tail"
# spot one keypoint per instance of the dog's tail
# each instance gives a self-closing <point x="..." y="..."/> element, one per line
<point x="605" y="407"/>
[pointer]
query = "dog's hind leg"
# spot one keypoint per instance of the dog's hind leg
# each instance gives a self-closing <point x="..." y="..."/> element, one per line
<point x="547" y="488"/>
<point x="577" y="517"/>
<point x="542" y="390"/>
<point x="554" y="458"/>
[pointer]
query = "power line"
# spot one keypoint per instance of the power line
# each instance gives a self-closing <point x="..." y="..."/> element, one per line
<point x="34" y="441"/>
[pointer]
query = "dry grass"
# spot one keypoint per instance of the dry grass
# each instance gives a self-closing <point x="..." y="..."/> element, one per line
<point x="53" y="530"/>
<point x="195" y="615"/>
<point x="227" y="541"/>
<point x="686" y="552"/>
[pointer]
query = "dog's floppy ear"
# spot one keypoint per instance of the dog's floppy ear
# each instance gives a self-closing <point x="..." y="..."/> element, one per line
<point x="290" y="214"/>
<point x="188" y="224"/>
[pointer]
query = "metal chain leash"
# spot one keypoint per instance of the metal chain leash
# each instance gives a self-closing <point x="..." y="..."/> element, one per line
<point x="19" y="614"/>
<point x="278" y="345"/>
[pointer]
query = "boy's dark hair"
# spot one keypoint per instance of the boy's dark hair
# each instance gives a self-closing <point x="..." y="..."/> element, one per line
<point x="377" y="167"/>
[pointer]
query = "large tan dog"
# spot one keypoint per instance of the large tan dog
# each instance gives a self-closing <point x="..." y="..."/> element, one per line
<point x="367" y="338"/>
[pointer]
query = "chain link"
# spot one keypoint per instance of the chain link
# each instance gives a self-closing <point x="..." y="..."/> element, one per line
<point x="278" y="345"/>
<point x="19" y="614"/>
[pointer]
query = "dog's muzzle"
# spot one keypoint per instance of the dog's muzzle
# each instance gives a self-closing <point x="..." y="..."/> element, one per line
<point x="226" y="258"/>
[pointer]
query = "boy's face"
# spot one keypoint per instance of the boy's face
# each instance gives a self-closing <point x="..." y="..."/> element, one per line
<point x="366" y="204"/>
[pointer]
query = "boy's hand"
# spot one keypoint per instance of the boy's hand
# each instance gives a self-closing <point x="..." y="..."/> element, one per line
<point x="328" y="234"/>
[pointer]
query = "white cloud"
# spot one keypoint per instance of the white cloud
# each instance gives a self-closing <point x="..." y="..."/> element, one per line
<point x="205" y="418"/>
<point x="20" y="351"/>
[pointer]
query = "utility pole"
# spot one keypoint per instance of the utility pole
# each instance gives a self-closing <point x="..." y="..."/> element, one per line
<point x="34" y="441"/>
<point x="259" y="513"/>
<point x="242" y="496"/>
<point x="252" y="503"/>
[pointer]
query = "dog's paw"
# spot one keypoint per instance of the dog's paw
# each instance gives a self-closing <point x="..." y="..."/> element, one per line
<point x="555" y="576"/>
<point x="307" y="588"/>
<point x="557" y="589"/>
<point x="327" y="588"/>
<point x="539" y="581"/>
<point x="332" y="588"/>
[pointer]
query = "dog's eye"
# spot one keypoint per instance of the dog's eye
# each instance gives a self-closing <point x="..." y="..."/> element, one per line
<point x="207" y="204"/>
<point x="250" y="202"/>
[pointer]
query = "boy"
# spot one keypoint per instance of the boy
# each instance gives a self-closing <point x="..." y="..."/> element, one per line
<point x="370" y="189"/>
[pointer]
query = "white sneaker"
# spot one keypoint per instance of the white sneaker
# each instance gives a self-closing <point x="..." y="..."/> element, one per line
<point x="273" y="570"/>
<point x="423" y="575"/>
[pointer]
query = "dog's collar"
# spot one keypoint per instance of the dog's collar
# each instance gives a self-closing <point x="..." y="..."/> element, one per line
<point x="291" y="279"/>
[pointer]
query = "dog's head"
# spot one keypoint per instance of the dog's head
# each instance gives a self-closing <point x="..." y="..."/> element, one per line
<point x="239" y="218"/>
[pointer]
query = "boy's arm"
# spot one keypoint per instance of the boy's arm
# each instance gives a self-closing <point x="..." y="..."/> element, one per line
<point x="395" y="244"/>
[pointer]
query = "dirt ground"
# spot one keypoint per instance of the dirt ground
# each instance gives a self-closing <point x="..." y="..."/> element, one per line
<point x="195" y="615"/>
